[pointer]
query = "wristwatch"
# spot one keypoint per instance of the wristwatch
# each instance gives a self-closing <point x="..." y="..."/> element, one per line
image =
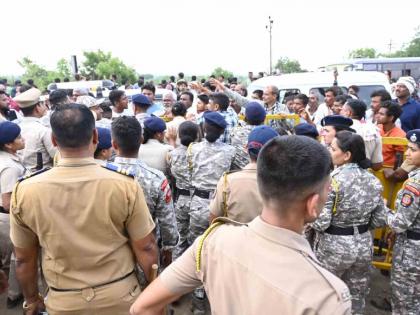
<point x="30" y="306"/>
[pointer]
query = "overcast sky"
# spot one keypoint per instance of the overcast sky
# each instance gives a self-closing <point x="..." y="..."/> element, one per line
<point x="165" y="37"/>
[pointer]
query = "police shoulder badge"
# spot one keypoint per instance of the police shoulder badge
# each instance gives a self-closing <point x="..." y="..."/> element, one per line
<point x="406" y="200"/>
<point x="413" y="138"/>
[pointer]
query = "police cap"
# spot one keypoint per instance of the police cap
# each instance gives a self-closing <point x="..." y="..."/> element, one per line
<point x="155" y="124"/>
<point x="8" y="132"/>
<point x="255" y="112"/>
<point x="306" y="130"/>
<point x="215" y="119"/>
<point x="28" y="98"/>
<point x="337" y="121"/>
<point x="104" y="137"/>
<point x="141" y="99"/>
<point x="259" y="136"/>
<point x="413" y="136"/>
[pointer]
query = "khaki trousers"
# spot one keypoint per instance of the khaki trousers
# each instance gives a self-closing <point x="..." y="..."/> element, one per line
<point x="111" y="299"/>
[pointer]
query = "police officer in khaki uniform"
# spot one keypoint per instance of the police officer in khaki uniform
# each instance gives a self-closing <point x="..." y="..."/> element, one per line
<point x="91" y="223"/>
<point x="11" y="168"/>
<point x="237" y="195"/>
<point x="265" y="267"/>
<point x="36" y="135"/>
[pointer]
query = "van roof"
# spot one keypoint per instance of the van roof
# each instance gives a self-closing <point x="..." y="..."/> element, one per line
<point x="321" y="79"/>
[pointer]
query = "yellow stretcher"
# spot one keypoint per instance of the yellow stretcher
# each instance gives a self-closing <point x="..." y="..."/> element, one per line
<point x="382" y="250"/>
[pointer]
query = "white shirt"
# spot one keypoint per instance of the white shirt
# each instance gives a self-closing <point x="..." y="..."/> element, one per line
<point x="373" y="142"/>
<point x="322" y="111"/>
<point x="154" y="154"/>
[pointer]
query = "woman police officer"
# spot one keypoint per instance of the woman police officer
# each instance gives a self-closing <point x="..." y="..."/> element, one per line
<point x="354" y="206"/>
<point x="405" y="222"/>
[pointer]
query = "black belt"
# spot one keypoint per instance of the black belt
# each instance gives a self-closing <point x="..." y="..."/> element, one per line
<point x="336" y="230"/>
<point x="95" y="286"/>
<point x="202" y="193"/>
<point x="184" y="192"/>
<point x="2" y="210"/>
<point x="411" y="235"/>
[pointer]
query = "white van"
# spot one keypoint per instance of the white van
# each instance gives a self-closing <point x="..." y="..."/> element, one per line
<point x="318" y="82"/>
<point x="101" y="86"/>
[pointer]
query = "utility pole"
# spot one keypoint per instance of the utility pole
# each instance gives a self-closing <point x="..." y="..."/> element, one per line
<point x="269" y="28"/>
<point x="390" y="45"/>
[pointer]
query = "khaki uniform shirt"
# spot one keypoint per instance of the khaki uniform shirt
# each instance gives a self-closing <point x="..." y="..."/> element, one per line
<point x="11" y="168"/>
<point x="37" y="139"/>
<point x="243" y="199"/>
<point x="259" y="269"/>
<point x="83" y="216"/>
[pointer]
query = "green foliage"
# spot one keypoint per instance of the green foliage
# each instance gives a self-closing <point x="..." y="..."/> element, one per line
<point x="363" y="53"/>
<point x="63" y="69"/>
<point x="100" y="65"/>
<point x="412" y="49"/>
<point x="41" y="76"/>
<point x="219" y="71"/>
<point x="286" y="65"/>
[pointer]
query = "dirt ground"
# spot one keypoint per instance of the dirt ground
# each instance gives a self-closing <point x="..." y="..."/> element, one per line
<point x="379" y="290"/>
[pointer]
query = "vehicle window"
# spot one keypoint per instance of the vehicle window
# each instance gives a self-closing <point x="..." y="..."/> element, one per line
<point x="287" y="92"/>
<point x="320" y="91"/>
<point x="366" y="90"/>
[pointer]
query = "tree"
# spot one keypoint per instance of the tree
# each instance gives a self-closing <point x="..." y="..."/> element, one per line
<point x="225" y="73"/>
<point x="41" y="76"/>
<point x="412" y="49"/>
<point x="63" y="69"/>
<point x="101" y="65"/>
<point x="363" y="53"/>
<point x="92" y="60"/>
<point x="286" y="65"/>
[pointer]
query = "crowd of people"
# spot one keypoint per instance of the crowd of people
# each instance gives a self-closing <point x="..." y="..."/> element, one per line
<point x="251" y="213"/>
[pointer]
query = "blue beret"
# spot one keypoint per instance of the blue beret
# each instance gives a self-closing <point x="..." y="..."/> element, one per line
<point x="255" y="111"/>
<point x="306" y="130"/>
<point x="141" y="99"/>
<point x="259" y="136"/>
<point x="104" y="136"/>
<point x="337" y="121"/>
<point x="413" y="136"/>
<point x="214" y="118"/>
<point x="8" y="132"/>
<point x="155" y="124"/>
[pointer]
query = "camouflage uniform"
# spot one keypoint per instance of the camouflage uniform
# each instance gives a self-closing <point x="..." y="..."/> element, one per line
<point x="181" y="172"/>
<point x="405" y="275"/>
<point x="239" y="140"/>
<point x="158" y="198"/>
<point x="355" y="200"/>
<point x="207" y="162"/>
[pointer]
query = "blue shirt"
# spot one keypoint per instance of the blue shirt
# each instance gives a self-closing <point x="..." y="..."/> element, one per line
<point x="410" y="117"/>
<point x="156" y="110"/>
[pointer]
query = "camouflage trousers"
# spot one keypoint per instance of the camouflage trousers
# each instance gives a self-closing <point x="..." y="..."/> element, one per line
<point x="405" y="277"/>
<point x="349" y="258"/>
<point x="6" y="246"/>
<point x="199" y="217"/>
<point x="182" y="213"/>
<point x="7" y="259"/>
<point x="199" y="222"/>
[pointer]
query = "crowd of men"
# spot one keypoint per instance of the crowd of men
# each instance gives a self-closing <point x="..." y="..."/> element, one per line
<point x="208" y="188"/>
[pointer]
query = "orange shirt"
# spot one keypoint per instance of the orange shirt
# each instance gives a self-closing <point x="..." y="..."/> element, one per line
<point x="389" y="150"/>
